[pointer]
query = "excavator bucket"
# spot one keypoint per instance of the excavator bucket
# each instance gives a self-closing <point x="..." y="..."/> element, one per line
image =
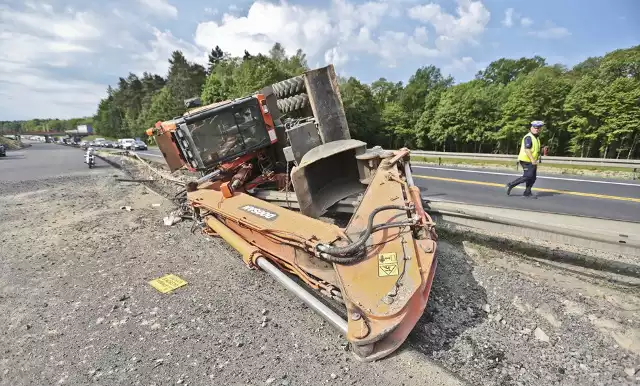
<point x="327" y="169"/>
<point x="327" y="174"/>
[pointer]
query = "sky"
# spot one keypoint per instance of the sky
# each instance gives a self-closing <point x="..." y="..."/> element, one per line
<point x="57" y="57"/>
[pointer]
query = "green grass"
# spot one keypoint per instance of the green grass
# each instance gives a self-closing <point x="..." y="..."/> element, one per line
<point x="550" y="167"/>
<point x="10" y="143"/>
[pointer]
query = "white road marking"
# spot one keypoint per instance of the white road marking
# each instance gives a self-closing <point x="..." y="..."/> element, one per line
<point x="151" y="154"/>
<point x="517" y="175"/>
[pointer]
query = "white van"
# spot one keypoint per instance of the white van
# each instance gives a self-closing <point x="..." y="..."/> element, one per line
<point x="127" y="143"/>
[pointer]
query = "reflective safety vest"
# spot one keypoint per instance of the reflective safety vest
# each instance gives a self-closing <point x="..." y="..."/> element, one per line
<point x="535" y="149"/>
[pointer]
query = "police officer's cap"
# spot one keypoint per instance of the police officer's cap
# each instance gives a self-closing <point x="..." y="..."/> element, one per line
<point x="537" y="124"/>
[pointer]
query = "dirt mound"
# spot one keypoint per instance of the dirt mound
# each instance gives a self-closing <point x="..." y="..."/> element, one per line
<point x="11" y="144"/>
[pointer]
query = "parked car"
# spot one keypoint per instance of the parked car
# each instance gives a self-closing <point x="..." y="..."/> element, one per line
<point x="3" y="151"/>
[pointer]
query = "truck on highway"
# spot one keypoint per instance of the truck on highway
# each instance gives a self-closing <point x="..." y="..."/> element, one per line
<point x="84" y="129"/>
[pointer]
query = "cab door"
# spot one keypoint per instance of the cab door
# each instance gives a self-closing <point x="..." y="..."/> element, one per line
<point x="169" y="149"/>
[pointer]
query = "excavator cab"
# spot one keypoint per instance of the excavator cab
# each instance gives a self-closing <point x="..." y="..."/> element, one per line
<point x="211" y="135"/>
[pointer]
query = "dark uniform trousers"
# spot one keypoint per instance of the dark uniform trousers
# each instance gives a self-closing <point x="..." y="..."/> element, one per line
<point x="528" y="176"/>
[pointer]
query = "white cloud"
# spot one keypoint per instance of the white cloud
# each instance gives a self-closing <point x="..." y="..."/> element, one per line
<point x="40" y="37"/>
<point x="164" y="43"/>
<point x="52" y="49"/>
<point x="74" y="26"/>
<point x="50" y="56"/>
<point x="508" y="18"/>
<point x="464" y="64"/>
<point x="453" y="31"/>
<point x="511" y="17"/>
<point x="335" y="56"/>
<point x="160" y="7"/>
<point x="293" y="26"/>
<point x="526" y="22"/>
<point x="30" y="93"/>
<point x="421" y="34"/>
<point x="335" y="32"/>
<point x="550" y="31"/>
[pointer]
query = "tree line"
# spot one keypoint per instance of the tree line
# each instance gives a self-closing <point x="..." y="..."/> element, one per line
<point x="590" y="110"/>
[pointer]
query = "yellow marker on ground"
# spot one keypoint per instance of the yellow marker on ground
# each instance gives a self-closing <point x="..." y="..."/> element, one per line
<point x="388" y="264"/>
<point x="167" y="283"/>
<point x="593" y="195"/>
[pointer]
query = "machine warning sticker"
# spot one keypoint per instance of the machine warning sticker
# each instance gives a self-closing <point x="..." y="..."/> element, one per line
<point x="167" y="283"/>
<point x="388" y="264"/>
<point x="265" y="214"/>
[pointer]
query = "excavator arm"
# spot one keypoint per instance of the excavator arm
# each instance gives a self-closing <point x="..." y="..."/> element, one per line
<point x="376" y="270"/>
<point x="380" y="266"/>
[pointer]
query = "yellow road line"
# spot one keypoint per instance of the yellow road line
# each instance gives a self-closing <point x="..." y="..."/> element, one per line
<point x="593" y="195"/>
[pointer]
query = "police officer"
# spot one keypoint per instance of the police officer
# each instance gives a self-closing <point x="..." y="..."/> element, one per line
<point x="529" y="157"/>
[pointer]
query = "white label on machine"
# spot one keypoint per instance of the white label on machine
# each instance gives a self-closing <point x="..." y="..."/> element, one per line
<point x="265" y="214"/>
<point x="272" y="135"/>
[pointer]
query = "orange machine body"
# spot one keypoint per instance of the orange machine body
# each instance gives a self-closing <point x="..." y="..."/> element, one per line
<point x="385" y="292"/>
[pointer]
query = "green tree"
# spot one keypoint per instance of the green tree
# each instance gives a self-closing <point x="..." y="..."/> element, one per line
<point x="539" y="95"/>
<point x="396" y="126"/>
<point x="385" y="91"/>
<point x="185" y="79"/>
<point x="621" y="64"/>
<point x="425" y="124"/>
<point x="163" y="107"/>
<point x="583" y="115"/>
<point x="362" y="115"/>
<point x="620" y="107"/>
<point x="466" y="116"/>
<point x="215" y="56"/>
<point x="256" y="73"/>
<point x="503" y="71"/>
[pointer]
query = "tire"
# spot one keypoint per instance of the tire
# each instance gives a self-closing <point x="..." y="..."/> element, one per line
<point x="293" y="103"/>
<point x="288" y="87"/>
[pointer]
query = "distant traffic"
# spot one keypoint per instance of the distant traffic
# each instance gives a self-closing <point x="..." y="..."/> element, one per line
<point x="122" y="143"/>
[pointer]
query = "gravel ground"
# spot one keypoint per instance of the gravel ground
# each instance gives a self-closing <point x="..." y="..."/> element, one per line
<point x="77" y="307"/>
<point x="499" y="319"/>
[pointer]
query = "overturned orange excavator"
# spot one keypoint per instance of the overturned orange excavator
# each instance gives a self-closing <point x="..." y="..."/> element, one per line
<point x="276" y="167"/>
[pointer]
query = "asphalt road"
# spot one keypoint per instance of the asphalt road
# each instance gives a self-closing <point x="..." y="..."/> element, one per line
<point x="582" y="196"/>
<point x="44" y="160"/>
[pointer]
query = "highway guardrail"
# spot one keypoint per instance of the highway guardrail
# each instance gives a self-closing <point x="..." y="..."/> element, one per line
<point x="607" y="162"/>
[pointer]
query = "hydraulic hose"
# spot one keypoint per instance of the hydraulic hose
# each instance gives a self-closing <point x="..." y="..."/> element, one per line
<point x="351" y="259"/>
<point x="356" y="245"/>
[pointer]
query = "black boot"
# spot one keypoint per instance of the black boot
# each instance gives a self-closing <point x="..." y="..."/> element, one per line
<point x="527" y="193"/>
<point x="509" y="187"/>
